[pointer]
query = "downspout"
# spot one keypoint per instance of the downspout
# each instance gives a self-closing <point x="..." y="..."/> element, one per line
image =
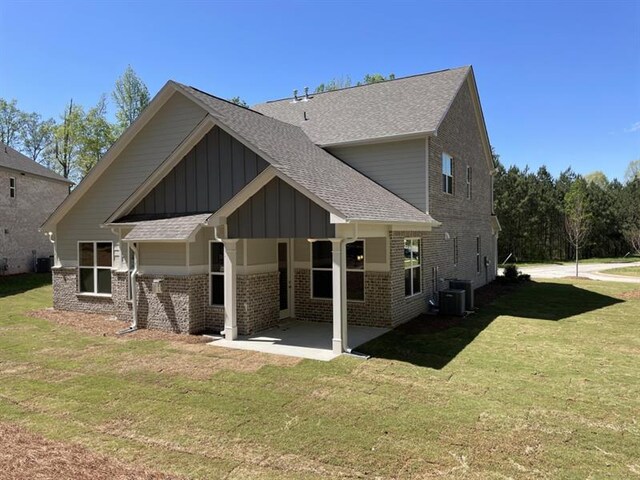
<point x="134" y="292"/>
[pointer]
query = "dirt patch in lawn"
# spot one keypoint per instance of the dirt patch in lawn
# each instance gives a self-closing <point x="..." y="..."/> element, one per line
<point x="108" y="326"/>
<point x="187" y="355"/>
<point x="630" y="295"/>
<point x="26" y="456"/>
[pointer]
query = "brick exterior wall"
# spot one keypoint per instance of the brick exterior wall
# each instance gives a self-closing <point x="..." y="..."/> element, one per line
<point x="258" y="300"/>
<point x="66" y="296"/>
<point x="461" y="217"/>
<point x="373" y="312"/>
<point x="36" y="198"/>
<point x="179" y="308"/>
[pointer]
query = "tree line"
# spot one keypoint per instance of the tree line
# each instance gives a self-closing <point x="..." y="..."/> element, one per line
<point x="545" y="218"/>
<point x="73" y="143"/>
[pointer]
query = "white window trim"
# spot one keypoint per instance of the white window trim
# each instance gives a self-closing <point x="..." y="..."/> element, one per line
<point x="217" y="305"/>
<point x="451" y="161"/>
<point x="95" y="269"/>
<point x="12" y="187"/>
<point x="411" y="267"/>
<point x="358" y="270"/>
<point x="469" y="180"/>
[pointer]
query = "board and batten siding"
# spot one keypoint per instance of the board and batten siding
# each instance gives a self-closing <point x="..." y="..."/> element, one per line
<point x="279" y="211"/>
<point x="215" y="170"/>
<point x="150" y="147"/>
<point x="400" y="167"/>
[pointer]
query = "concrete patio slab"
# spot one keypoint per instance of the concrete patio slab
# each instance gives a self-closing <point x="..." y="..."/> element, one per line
<point x="296" y="338"/>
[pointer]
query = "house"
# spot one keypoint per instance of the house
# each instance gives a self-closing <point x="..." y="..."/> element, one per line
<point x="351" y="207"/>
<point x="29" y="193"/>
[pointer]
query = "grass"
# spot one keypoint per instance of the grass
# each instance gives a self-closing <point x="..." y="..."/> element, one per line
<point x="543" y="383"/>
<point x="627" y="259"/>
<point x="629" y="271"/>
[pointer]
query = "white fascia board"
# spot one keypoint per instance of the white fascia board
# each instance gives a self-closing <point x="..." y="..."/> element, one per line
<point x="197" y="134"/>
<point x="116" y="149"/>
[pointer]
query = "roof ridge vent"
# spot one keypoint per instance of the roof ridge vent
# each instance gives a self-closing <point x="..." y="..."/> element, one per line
<point x="306" y="94"/>
<point x="295" y="95"/>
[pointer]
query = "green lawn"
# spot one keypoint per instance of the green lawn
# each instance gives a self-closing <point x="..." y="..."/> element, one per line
<point x="544" y="383"/>
<point x="628" y="259"/>
<point x="629" y="271"/>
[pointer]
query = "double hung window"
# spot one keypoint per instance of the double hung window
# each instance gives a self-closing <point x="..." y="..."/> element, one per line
<point x="95" y="261"/>
<point x="412" y="266"/>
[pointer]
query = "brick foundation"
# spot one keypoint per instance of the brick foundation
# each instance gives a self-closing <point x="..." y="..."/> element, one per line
<point x="66" y="296"/>
<point x="374" y="311"/>
<point x="258" y="300"/>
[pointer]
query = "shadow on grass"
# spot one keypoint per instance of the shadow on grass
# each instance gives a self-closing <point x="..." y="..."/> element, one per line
<point x="16" y="284"/>
<point x="433" y="341"/>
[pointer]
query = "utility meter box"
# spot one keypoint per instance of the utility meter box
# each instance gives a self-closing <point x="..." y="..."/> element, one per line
<point x="156" y="286"/>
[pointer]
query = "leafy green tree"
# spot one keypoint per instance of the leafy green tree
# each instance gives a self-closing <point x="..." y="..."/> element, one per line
<point x="96" y="136"/>
<point x="36" y="136"/>
<point x="344" y="82"/>
<point x="376" y="78"/>
<point x="63" y="153"/>
<point x="633" y="170"/>
<point x="239" y="101"/>
<point x="131" y="96"/>
<point x="577" y="220"/>
<point x="11" y="120"/>
<point x="597" y="178"/>
<point x="334" y="84"/>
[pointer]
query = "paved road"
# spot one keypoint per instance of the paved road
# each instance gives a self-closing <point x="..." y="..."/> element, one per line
<point x="587" y="270"/>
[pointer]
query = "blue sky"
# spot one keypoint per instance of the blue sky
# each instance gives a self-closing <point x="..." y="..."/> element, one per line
<point x="559" y="81"/>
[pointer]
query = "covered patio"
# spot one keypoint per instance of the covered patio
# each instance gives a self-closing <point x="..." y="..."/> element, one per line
<point x="298" y="338"/>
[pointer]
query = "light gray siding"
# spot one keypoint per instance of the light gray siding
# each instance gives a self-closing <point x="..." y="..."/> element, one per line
<point x="165" y="254"/>
<point x="153" y="144"/>
<point x="280" y="211"/>
<point x="400" y="167"/>
<point x="216" y="169"/>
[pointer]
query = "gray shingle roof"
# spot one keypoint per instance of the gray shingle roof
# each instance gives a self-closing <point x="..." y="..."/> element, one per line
<point x="13" y="159"/>
<point x="404" y="106"/>
<point x="166" y="229"/>
<point x="292" y="153"/>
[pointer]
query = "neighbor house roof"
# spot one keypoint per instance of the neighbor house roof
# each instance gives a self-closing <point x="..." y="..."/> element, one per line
<point x="394" y="108"/>
<point x="176" y="229"/>
<point x="289" y="150"/>
<point x="11" y="158"/>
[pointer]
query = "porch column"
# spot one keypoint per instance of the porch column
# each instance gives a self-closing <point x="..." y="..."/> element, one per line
<point x="339" y="278"/>
<point x="230" y="271"/>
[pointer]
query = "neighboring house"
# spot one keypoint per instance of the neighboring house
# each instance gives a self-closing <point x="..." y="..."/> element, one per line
<point x="29" y="193"/>
<point x="350" y="206"/>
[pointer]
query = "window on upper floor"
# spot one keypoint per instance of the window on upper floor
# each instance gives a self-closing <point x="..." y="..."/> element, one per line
<point x="447" y="173"/>
<point x="12" y="187"/>
<point x="468" y="182"/>
<point x="94" y="263"/>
